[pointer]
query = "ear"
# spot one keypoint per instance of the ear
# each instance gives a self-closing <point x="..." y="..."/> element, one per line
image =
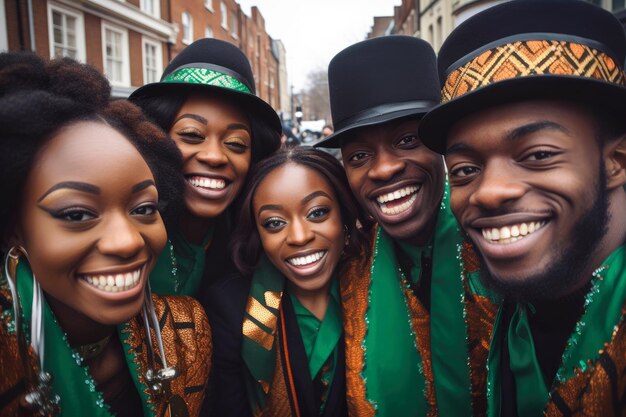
<point x="615" y="162"/>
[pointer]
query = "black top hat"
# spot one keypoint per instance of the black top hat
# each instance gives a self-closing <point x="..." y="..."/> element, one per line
<point x="528" y="49"/>
<point x="211" y="64"/>
<point x="379" y="80"/>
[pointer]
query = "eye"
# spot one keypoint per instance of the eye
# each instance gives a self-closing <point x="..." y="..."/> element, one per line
<point x="464" y="171"/>
<point x="273" y="224"/>
<point x="408" y="141"/>
<point x="540" y="155"/>
<point x="357" y="157"/>
<point x="190" y="136"/>
<point x="75" y="215"/>
<point x="237" y="146"/>
<point x="145" y="210"/>
<point x="318" y="213"/>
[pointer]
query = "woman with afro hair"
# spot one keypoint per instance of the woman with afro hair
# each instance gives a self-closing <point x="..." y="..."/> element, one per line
<point x="84" y="184"/>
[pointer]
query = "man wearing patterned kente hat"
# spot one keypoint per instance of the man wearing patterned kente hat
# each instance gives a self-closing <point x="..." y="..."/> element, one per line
<point x="406" y="305"/>
<point x="533" y="132"/>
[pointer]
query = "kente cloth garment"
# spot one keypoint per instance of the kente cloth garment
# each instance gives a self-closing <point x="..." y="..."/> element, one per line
<point x="591" y="378"/>
<point x="273" y="340"/>
<point x="180" y="267"/>
<point x="186" y="337"/>
<point x="395" y="346"/>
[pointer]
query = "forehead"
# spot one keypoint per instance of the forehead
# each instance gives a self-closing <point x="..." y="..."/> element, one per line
<point x="212" y="107"/>
<point x="384" y="133"/>
<point x="502" y="127"/>
<point x="289" y="184"/>
<point x="90" y="152"/>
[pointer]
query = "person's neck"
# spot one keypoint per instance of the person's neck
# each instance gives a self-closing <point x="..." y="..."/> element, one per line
<point x="194" y="228"/>
<point x="423" y="237"/>
<point x="314" y="301"/>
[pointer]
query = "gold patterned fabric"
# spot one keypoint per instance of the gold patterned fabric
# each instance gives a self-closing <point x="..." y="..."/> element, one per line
<point x="530" y="58"/>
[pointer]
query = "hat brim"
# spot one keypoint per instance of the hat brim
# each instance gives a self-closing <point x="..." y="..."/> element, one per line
<point x="436" y="125"/>
<point x="334" y="140"/>
<point x="251" y="101"/>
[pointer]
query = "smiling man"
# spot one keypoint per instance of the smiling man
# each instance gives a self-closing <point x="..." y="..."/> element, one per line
<point x="404" y="322"/>
<point x="535" y="146"/>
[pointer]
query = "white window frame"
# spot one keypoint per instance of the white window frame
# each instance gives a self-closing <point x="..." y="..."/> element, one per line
<point x="125" y="82"/>
<point x="209" y="5"/>
<point x="80" y="29"/>
<point x="224" y="15"/>
<point x="4" y="37"/>
<point x="233" y="28"/>
<point x="158" y="58"/>
<point x="208" y="32"/>
<point x="156" y="4"/>
<point x="186" y="41"/>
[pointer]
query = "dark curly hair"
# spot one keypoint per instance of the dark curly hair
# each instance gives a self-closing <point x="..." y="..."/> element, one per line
<point x="38" y="98"/>
<point x="246" y="245"/>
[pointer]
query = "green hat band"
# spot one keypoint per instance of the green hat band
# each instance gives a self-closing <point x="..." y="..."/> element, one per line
<point x="206" y="76"/>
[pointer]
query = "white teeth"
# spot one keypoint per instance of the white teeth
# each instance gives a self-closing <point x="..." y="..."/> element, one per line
<point x="400" y="207"/>
<point x="395" y="195"/>
<point x="306" y="260"/>
<point x="215" y="184"/>
<point x="509" y="234"/>
<point x="114" y="282"/>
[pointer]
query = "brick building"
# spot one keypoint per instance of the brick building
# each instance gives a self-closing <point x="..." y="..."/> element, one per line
<point x="131" y="41"/>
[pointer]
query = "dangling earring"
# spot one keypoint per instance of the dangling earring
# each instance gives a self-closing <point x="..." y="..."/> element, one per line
<point x="39" y="398"/>
<point x="156" y="378"/>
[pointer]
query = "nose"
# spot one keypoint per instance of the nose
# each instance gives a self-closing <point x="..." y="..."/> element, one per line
<point x="385" y="167"/>
<point x="120" y="237"/>
<point x="212" y="153"/>
<point x="299" y="233"/>
<point x="498" y="186"/>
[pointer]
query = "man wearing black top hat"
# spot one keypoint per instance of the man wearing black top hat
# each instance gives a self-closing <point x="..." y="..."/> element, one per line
<point x="406" y="336"/>
<point x="534" y="137"/>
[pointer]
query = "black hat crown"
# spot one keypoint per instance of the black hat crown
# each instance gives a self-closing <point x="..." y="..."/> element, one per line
<point x="379" y="80"/>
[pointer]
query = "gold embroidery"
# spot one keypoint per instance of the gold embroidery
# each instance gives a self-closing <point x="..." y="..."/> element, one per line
<point x="252" y="331"/>
<point x="529" y="58"/>
<point x="272" y="299"/>
<point x="278" y="403"/>
<point x="261" y="314"/>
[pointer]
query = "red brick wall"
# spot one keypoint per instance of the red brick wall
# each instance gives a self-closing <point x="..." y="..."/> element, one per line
<point x="136" y="58"/>
<point x="93" y="40"/>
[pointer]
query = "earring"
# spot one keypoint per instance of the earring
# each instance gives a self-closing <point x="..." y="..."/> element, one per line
<point x="39" y="398"/>
<point x="346" y="233"/>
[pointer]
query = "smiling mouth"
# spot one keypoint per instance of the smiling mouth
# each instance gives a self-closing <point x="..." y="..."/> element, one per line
<point x="215" y="184"/>
<point x="308" y="260"/>
<point x="119" y="282"/>
<point x="398" y="201"/>
<point x="509" y="234"/>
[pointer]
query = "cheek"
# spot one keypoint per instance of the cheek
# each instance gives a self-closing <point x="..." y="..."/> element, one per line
<point x="241" y="165"/>
<point x="458" y="201"/>
<point x="155" y="237"/>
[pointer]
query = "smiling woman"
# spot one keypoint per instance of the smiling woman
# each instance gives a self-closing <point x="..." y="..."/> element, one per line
<point x="206" y="101"/>
<point x="296" y="231"/>
<point x="84" y="185"/>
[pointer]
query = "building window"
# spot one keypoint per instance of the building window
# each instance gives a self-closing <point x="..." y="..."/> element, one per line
<point x="233" y="25"/>
<point x="618" y="5"/>
<point x="209" y="5"/>
<point x="151" y="7"/>
<point x="115" y="54"/>
<point x="66" y="33"/>
<point x="224" y="15"/>
<point x="152" y="60"/>
<point x="208" y="32"/>
<point x="187" y="22"/>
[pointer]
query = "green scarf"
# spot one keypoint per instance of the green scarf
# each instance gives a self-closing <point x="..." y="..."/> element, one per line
<point x="72" y="381"/>
<point x="180" y="267"/>
<point x="603" y="309"/>
<point x="390" y="339"/>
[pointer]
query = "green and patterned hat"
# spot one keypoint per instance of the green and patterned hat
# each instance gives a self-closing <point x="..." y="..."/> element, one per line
<point x="211" y="64"/>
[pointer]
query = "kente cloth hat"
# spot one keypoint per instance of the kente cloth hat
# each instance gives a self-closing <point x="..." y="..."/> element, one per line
<point x="379" y="80"/>
<point x="524" y="50"/>
<point x="212" y="65"/>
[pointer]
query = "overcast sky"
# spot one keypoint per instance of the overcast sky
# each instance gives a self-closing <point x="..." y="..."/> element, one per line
<point x="313" y="31"/>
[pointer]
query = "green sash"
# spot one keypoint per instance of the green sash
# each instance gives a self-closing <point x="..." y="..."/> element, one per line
<point x="390" y="339"/>
<point x="603" y="310"/>
<point x="71" y="381"/>
<point x="180" y="267"/>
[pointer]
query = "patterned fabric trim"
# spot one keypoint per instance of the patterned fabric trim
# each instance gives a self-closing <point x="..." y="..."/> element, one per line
<point x="206" y="76"/>
<point x="531" y="58"/>
<point x="278" y="399"/>
<point x="601" y="389"/>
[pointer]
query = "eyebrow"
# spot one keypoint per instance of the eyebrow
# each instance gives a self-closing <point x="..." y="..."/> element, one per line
<point x="269" y="207"/>
<point x="142" y="185"/>
<point x="313" y="195"/>
<point x="73" y="185"/>
<point x="237" y="126"/>
<point x="195" y="117"/>
<point x="513" y="135"/>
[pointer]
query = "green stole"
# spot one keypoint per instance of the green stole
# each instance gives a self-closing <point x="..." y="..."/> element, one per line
<point x="260" y="331"/>
<point x="390" y="339"/>
<point x="603" y="310"/>
<point x="320" y="337"/>
<point x="180" y="267"/>
<point x="72" y="381"/>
